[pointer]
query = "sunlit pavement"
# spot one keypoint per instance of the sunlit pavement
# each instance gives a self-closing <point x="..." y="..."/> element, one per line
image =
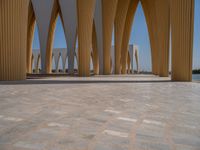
<point x="132" y="112"/>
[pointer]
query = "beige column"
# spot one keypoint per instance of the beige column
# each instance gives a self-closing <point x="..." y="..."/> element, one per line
<point x="122" y="9"/>
<point x="13" y="33"/>
<point x="182" y="26"/>
<point x="85" y="23"/>
<point x="163" y="21"/>
<point x="108" y="12"/>
<point x="30" y="35"/>
<point x="95" y="53"/>
<point x="52" y="28"/>
<point x="150" y="15"/>
<point x="127" y="33"/>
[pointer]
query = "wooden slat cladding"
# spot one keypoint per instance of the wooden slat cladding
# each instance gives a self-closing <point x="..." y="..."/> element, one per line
<point x="182" y="26"/>
<point x="163" y="33"/>
<point x="13" y="35"/>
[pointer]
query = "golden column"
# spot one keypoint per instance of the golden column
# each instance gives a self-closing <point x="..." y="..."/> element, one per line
<point x="120" y="19"/>
<point x="52" y="27"/>
<point x="85" y="12"/>
<point x="151" y="20"/>
<point x="13" y="34"/>
<point x="108" y="13"/>
<point x="127" y="33"/>
<point x="163" y="32"/>
<point x="182" y="26"/>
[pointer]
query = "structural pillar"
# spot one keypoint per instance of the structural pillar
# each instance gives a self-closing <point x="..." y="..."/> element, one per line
<point x="13" y="33"/>
<point x="85" y="13"/>
<point x="163" y="21"/>
<point x="108" y="12"/>
<point x="127" y="33"/>
<point x="182" y="26"/>
<point x="149" y="8"/>
<point x="120" y="19"/>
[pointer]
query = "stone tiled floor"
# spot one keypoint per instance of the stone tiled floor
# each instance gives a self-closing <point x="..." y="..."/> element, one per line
<point x="100" y="113"/>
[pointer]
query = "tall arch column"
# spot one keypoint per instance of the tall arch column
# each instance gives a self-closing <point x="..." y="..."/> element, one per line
<point x="163" y="32"/>
<point x="104" y="22"/>
<point x="122" y="9"/>
<point x="182" y="26"/>
<point x="13" y="33"/>
<point x="127" y="33"/>
<point x="85" y="12"/>
<point x="46" y="12"/>
<point x="151" y="19"/>
<point x="108" y="12"/>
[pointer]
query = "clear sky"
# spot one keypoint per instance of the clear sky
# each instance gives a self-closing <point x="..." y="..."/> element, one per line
<point x="139" y="36"/>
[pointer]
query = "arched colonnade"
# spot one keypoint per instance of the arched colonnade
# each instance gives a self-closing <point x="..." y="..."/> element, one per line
<point x="92" y="22"/>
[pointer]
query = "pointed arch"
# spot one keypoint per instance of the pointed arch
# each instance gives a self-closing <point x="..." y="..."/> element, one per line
<point x="67" y="8"/>
<point x="127" y="33"/>
<point x="46" y="13"/>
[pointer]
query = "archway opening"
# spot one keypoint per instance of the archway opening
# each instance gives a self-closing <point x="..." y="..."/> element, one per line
<point x="36" y="65"/>
<point x="140" y="38"/>
<point x="59" y="48"/>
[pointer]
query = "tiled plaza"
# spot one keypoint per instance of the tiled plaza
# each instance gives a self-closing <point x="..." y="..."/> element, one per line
<point x="139" y="112"/>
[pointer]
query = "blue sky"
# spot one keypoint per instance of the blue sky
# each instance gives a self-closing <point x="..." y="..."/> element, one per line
<point x="139" y="36"/>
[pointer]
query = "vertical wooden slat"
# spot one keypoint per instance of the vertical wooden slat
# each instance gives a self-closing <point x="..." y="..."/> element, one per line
<point x="13" y="29"/>
<point x="163" y="32"/>
<point x="182" y="26"/>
